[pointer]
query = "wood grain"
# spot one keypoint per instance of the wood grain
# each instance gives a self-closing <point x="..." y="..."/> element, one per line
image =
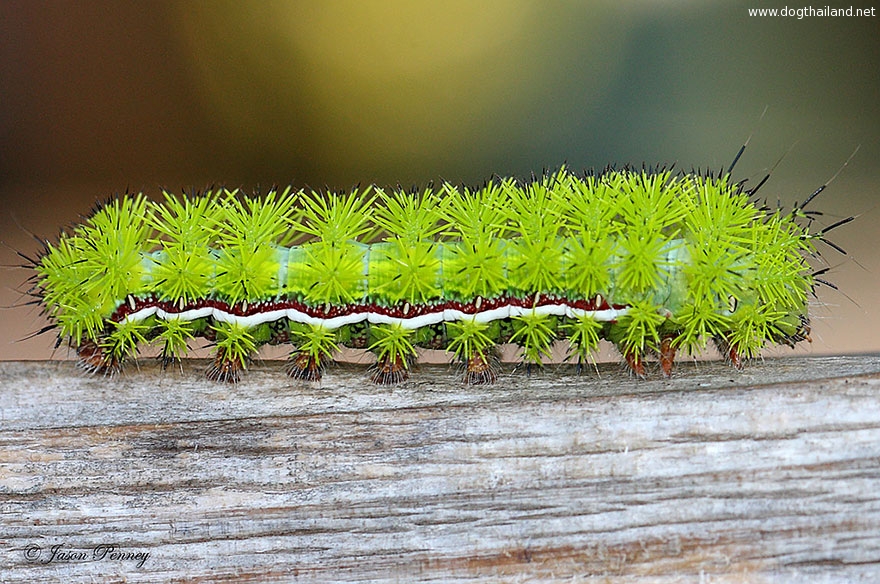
<point x="766" y="475"/>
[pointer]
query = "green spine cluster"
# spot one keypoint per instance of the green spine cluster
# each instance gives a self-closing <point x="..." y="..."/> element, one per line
<point x="690" y="255"/>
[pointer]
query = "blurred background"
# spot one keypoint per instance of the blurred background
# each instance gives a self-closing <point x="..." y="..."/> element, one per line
<point x="102" y="97"/>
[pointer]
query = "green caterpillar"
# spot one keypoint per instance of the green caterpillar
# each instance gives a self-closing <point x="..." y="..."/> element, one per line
<point x="654" y="261"/>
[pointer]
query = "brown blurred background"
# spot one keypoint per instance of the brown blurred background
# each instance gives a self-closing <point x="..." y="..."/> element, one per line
<point x="100" y="97"/>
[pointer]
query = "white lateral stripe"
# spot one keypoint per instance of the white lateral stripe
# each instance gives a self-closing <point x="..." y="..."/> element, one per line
<point x="447" y="315"/>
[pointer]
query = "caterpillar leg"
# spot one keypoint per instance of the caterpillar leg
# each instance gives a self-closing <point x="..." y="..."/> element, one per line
<point x="734" y="357"/>
<point x="315" y="346"/>
<point x="94" y="359"/>
<point x="479" y="371"/>
<point x="390" y="370"/>
<point x="305" y="367"/>
<point x="667" y="356"/>
<point x="636" y="363"/>
<point x="394" y="352"/>
<point x="730" y="352"/>
<point x="235" y="347"/>
<point x="224" y="368"/>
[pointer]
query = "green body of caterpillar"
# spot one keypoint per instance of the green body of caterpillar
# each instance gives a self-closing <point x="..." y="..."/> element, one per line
<point x="653" y="261"/>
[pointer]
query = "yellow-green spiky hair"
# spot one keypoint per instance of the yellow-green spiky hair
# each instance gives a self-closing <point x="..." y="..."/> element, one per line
<point x="91" y="270"/>
<point x="249" y="255"/>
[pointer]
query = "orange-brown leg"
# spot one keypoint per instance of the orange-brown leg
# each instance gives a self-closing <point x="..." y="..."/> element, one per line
<point x="667" y="356"/>
<point x="479" y="371"/>
<point x="729" y="351"/>
<point x="94" y="359"/>
<point x="735" y="358"/>
<point x="389" y="371"/>
<point x="636" y="363"/>
<point x="304" y="366"/>
<point x="224" y="368"/>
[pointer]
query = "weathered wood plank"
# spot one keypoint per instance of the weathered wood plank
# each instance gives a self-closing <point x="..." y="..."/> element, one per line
<point x="718" y="476"/>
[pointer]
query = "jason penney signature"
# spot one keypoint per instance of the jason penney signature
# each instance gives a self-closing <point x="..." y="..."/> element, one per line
<point x="58" y="554"/>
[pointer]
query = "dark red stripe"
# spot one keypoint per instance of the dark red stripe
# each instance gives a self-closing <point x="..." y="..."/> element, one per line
<point x="403" y="310"/>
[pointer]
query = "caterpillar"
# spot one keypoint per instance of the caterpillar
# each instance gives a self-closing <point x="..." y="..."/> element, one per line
<point x="654" y="260"/>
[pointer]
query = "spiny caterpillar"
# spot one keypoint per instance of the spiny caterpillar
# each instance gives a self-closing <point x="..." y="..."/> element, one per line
<point x="654" y="261"/>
